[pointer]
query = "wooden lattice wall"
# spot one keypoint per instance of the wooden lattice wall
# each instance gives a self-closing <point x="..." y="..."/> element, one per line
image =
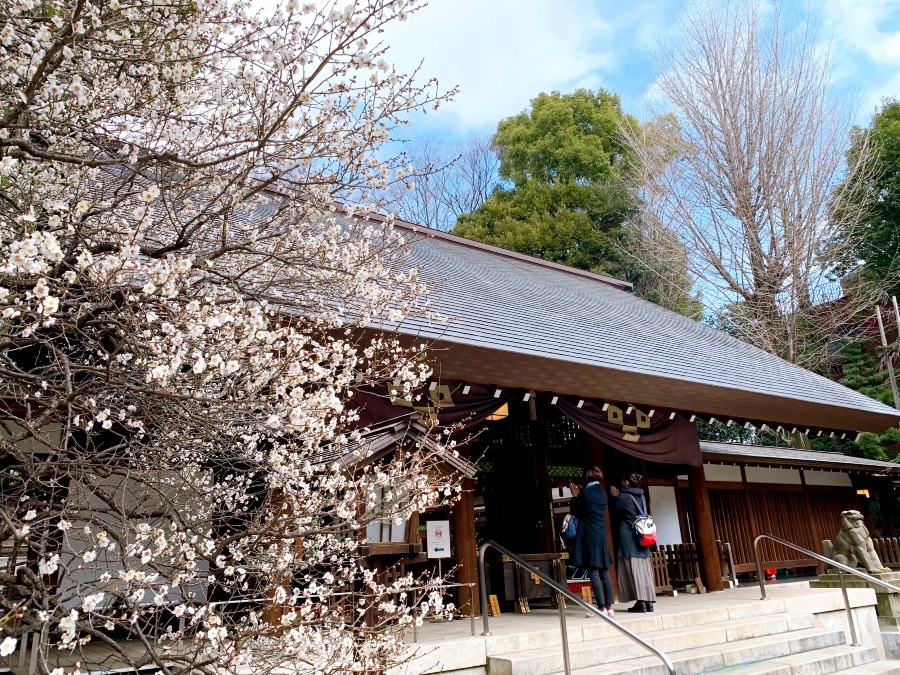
<point x="805" y="517"/>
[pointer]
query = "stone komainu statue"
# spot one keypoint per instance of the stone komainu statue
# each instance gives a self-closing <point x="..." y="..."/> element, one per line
<point x="853" y="546"/>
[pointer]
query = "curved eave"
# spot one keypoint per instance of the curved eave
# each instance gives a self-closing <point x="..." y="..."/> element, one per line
<point x="481" y="365"/>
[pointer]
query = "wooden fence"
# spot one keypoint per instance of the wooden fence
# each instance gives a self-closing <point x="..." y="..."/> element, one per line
<point x="677" y="565"/>
<point x="888" y="550"/>
<point x="660" y="573"/>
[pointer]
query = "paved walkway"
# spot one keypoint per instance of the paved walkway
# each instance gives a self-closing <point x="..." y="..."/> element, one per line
<point x="545" y="618"/>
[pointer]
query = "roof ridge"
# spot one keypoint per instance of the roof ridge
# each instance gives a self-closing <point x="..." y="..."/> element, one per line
<point x="496" y="250"/>
<point x="462" y="241"/>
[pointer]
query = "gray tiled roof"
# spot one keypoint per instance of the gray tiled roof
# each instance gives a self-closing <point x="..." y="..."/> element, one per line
<point x="760" y="454"/>
<point x="518" y="322"/>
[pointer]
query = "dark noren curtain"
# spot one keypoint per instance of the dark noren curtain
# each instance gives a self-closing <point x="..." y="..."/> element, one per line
<point x="657" y="438"/>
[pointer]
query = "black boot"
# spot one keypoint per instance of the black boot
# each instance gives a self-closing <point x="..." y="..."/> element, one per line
<point x="650" y="605"/>
<point x="639" y="607"/>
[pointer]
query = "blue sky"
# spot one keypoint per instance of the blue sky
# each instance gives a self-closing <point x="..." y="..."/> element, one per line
<point x="503" y="52"/>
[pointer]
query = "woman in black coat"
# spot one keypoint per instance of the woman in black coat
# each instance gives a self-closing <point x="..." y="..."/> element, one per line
<point x="634" y="568"/>
<point x="589" y="506"/>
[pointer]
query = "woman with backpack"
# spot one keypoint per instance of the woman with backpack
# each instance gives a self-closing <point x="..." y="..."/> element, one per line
<point x="635" y="572"/>
<point x="589" y="506"/>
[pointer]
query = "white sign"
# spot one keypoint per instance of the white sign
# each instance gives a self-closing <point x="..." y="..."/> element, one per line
<point x="437" y="538"/>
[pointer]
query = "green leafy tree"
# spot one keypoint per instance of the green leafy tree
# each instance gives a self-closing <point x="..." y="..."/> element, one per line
<point x="565" y="199"/>
<point x="873" y="256"/>
<point x="877" y="236"/>
<point x="862" y="372"/>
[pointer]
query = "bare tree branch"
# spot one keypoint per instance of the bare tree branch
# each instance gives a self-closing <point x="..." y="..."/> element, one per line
<point x="748" y="173"/>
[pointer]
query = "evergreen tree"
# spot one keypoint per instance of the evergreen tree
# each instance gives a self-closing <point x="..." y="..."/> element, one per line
<point x="565" y="200"/>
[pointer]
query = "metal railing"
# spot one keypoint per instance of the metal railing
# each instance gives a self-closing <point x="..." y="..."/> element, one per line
<point x="561" y="594"/>
<point x="840" y="567"/>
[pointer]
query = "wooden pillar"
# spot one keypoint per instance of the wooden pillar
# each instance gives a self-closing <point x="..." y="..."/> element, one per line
<point x="751" y="514"/>
<point x="272" y="611"/>
<point x="466" y="551"/>
<point x="710" y="566"/>
<point x="682" y="511"/>
<point x="546" y="537"/>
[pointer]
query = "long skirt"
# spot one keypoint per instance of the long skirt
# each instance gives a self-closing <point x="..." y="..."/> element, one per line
<point x="636" y="580"/>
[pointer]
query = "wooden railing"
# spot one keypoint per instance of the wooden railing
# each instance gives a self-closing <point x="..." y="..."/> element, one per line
<point x="677" y="565"/>
<point x="660" y="573"/>
<point x="888" y="550"/>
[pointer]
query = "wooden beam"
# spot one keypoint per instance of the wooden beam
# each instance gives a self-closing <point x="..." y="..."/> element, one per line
<point x="779" y="564"/>
<point x="710" y="566"/>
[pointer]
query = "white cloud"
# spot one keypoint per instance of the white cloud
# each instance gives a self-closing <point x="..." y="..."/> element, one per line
<point x="860" y="39"/>
<point x="865" y="45"/>
<point x="858" y="26"/>
<point x="503" y="52"/>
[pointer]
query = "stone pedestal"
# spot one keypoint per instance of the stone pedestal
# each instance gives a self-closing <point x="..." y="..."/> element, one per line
<point x="887" y="608"/>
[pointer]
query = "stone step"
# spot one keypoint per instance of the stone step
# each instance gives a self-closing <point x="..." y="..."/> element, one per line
<point x="760" y="649"/>
<point x="692" y="637"/>
<point x="876" y="668"/>
<point x="642" y="624"/>
<point x="695" y="650"/>
<point x="550" y="660"/>
<point x="839" y="659"/>
<point x="648" y="623"/>
<point x="728" y="657"/>
<point x="703" y="620"/>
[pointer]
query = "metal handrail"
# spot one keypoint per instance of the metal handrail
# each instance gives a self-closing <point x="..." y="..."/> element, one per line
<point x="840" y="567"/>
<point x="560" y="591"/>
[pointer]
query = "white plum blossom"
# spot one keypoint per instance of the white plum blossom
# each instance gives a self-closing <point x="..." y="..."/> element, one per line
<point x="49" y="305"/>
<point x="6" y="165"/>
<point x="190" y="276"/>
<point x="91" y="602"/>
<point x="49" y="566"/>
<point x="150" y="193"/>
<point x="8" y="646"/>
<point x="69" y="626"/>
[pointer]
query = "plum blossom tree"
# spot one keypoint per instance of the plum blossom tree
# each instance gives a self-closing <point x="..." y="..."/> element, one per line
<point x="185" y="318"/>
